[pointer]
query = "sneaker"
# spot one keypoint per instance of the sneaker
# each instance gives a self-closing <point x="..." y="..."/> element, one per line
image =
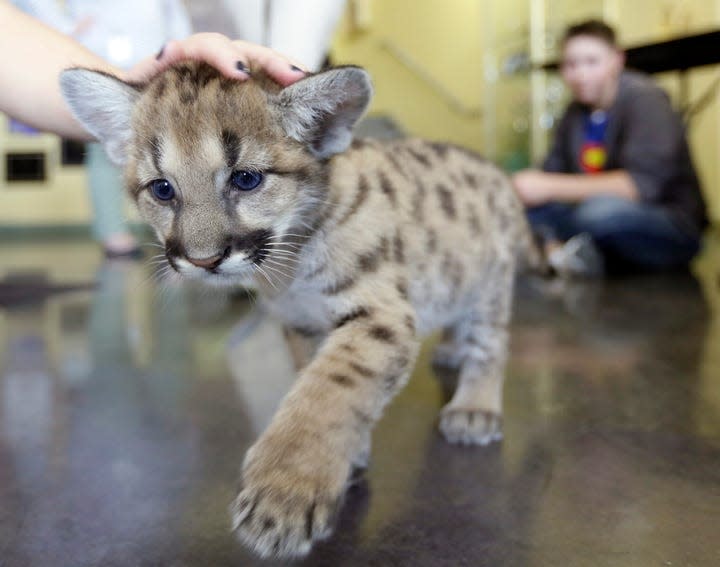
<point x="578" y="257"/>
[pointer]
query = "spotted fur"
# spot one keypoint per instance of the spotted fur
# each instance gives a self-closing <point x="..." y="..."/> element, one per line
<point x="369" y="246"/>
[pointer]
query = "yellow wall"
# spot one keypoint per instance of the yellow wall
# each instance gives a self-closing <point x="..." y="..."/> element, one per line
<point x="60" y="200"/>
<point x="426" y="63"/>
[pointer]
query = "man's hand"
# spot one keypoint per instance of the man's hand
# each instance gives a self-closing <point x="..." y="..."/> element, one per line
<point x="533" y="187"/>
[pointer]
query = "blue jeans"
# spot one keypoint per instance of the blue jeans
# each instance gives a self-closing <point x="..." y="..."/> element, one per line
<point x="631" y="236"/>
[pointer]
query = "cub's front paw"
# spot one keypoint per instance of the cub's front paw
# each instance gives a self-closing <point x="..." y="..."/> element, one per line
<point x="287" y="502"/>
<point x="470" y="426"/>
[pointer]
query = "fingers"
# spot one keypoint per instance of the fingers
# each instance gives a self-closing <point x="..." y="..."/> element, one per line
<point x="232" y="58"/>
<point x="283" y="69"/>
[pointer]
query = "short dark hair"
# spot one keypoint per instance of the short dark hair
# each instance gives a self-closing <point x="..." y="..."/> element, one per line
<point x="592" y="28"/>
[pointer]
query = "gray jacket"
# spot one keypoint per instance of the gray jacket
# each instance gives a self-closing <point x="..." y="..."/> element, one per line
<point x="644" y="137"/>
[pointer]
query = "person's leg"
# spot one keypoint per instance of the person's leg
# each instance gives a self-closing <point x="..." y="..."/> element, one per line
<point x="634" y="236"/>
<point x="106" y="193"/>
<point x="552" y="221"/>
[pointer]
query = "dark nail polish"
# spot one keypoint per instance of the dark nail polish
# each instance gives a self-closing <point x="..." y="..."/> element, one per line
<point x="160" y="53"/>
<point x="242" y="67"/>
<point x="296" y="69"/>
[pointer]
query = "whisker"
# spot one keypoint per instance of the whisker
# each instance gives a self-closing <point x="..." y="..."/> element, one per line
<point x="152" y="274"/>
<point x="280" y="264"/>
<point x="276" y="270"/>
<point x="265" y="275"/>
<point x="286" y="259"/>
<point x="292" y="245"/>
<point x="283" y="254"/>
<point x="275" y="236"/>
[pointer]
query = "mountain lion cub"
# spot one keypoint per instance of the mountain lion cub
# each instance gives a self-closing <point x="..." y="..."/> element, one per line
<point x="366" y="245"/>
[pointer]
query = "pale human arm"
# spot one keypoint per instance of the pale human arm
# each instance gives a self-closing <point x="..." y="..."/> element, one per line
<point x="34" y="55"/>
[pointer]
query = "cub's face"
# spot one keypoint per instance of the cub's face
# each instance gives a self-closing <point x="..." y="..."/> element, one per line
<point x="215" y="175"/>
<point x="223" y="171"/>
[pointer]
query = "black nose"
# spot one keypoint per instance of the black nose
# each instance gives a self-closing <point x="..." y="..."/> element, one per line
<point x="209" y="263"/>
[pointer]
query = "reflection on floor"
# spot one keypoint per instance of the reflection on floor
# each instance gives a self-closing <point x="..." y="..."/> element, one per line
<point x="125" y="410"/>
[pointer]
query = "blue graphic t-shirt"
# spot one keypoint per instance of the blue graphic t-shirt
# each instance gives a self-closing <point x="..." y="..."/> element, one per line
<point x="593" y="154"/>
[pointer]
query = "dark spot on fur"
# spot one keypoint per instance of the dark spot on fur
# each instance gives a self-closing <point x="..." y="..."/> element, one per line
<point x="382" y="333"/>
<point x="160" y="86"/>
<point x="364" y="371"/>
<point x="231" y="147"/>
<point x="471" y="179"/>
<point x="423" y="159"/>
<point x="352" y="316"/>
<point x="340" y="286"/>
<point x="474" y="220"/>
<point x="399" y="167"/>
<point x="371" y="261"/>
<point x="360" y="196"/>
<point x="388" y="188"/>
<point x="399" y="248"/>
<point x="418" y="201"/>
<point x="447" y="201"/>
<point x="309" y="519"/>
<point x="402" y="288"/>
<point x="440" y="149"/>
<point x="227" y="84"/>
<point x="410" y="323"/>
<point x="342" y="380"/>
<point x="155" y="153"/>
<point x="206" y="73"/>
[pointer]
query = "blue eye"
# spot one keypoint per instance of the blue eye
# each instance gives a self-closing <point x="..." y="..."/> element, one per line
<point x="246" y="180"/>
<point x="162" y="190"/>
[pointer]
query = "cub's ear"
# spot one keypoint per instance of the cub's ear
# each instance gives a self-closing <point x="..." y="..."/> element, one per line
<point x="103" y="105"/>
<point x="322" y="109"/>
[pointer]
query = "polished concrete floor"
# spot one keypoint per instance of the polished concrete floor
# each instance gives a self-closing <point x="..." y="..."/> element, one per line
<point x="126" y="407"/>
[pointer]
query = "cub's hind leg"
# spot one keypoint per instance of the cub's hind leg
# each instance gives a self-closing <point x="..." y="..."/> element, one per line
<point x="474" y="414"/>
<point x="449" y="352"/>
